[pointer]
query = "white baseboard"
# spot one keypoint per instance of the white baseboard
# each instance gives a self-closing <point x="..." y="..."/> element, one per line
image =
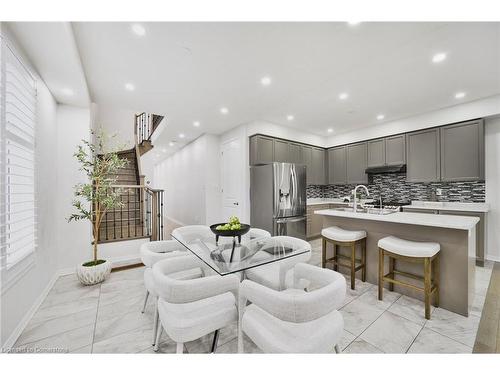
<point x="11" y="340"/>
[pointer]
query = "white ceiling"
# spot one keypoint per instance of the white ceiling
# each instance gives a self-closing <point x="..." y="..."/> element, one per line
<point x="52" y="50"/>
<point x="188" y="71"/>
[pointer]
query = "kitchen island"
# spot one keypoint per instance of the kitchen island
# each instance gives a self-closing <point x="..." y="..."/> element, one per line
<point x="455" y="234"/>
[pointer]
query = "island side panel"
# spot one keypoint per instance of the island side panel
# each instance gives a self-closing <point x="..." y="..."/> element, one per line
<point x="456" y="263"/>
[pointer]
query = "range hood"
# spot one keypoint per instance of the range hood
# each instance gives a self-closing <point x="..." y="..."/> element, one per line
<point x="396" y="168"/>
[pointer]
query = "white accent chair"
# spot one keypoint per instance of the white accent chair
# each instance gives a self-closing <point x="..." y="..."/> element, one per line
<point x="255" y="233"/>
<point x="152" y="252"/>
<point x="294" y="320"/>
<point x="190" y="309"/>
<point x="278" y="275"/>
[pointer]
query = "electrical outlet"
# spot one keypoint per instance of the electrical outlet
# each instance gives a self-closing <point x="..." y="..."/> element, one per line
<point x="439" y="191"/>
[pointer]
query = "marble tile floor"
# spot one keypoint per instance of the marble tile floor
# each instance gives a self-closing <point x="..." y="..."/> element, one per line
<point x="106" y="318"/>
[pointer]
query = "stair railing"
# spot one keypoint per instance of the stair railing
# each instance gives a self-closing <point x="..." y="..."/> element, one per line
<point x="143" y="127"/>
<point x="140" y="215"/>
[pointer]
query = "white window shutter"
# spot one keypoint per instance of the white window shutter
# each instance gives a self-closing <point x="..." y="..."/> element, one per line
<point x="17" y="155"/>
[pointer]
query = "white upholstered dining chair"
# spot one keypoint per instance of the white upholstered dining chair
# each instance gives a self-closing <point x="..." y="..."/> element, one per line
<point x="278" y="275"/>
<point x="294" y="320"/>
<point x="152" y="252"/>
<point x="190" y="309"/>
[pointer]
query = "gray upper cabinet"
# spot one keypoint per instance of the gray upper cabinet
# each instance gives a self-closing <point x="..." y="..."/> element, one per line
<point x="281" y="151"/>
<point x="462" y="151"/>
<point x="422" y="156"/>
<point x="395" y="150"/>
<point x="356" y="163"/>
<point x="307" y="161"/>
<point x="337" y="165"/>
<point x="295" y="153"/>
<point x="261" y="150"/>
<point x="318" y="166"/>
<point x="376" y="152"/>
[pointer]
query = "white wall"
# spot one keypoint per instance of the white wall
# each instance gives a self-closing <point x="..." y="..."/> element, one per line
<point x="119" y="121"/>
<point x="492" y="173"/>
<point x="73" y="239"/>
<point x="19" y="300"/>
<point x="190" y="178"/>
<point x="472" y="110"/>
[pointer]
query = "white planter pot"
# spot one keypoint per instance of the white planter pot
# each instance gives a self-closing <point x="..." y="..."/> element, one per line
<point x="93" y="274"/>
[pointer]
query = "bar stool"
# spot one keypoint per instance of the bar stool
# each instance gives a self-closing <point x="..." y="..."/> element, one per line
<point x="345" y="238"/>
<point x="426" y="253"/>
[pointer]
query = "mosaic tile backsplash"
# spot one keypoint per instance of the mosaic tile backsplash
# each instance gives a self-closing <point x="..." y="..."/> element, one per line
<point x="394" y="187"/>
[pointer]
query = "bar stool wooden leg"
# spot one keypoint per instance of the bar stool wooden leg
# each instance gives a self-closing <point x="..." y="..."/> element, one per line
<point x="435" y="267"/>
<point x="335" y="252"/>
<point x="392" y="263"/>
<point x="363" y="260"/>
<point x="427" y="287"/>
<point x="323" y="255"/>
<point x="353" y="265"/>
<point x="380" y="274"/>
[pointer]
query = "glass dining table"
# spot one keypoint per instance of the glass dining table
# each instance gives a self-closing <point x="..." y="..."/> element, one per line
<point x="253" y="251"/>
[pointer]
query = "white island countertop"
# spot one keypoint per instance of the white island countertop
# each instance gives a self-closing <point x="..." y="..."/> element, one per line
<point x="441" y="221"/>
<point x="449" y="206"/>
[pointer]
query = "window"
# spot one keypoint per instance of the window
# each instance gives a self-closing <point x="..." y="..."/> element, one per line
<point x="17" y="159"/>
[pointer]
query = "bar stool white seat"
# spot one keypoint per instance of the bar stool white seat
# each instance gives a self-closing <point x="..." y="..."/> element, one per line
<point x="339" y="234"/>
<point x="426" y="253"/>
<point x="345" y="238"/>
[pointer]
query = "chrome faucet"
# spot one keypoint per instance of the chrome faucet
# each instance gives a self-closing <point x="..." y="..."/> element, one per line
<point x="355" y="205"/>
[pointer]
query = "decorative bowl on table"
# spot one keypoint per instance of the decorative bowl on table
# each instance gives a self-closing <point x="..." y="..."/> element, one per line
<point x="244" y="228"/>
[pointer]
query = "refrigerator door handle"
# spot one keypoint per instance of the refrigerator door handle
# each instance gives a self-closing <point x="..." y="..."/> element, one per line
<point x="293" y="220"/>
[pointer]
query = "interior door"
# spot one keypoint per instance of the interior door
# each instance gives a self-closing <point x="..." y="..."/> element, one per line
<point x="232" y="179"/>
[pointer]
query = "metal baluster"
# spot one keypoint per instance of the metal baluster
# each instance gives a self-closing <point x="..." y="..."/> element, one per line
<point x="106" y="218"/>
<point x="121" y="215"/>
<point x="142" y="205"/>
<point x="161" y="216"/>
<point x="128" y="212"/>
<point x="114" y="219"/>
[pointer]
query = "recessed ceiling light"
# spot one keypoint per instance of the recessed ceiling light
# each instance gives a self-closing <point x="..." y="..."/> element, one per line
<point x="138" y="29"/>
<point x="266" y="81"/>
<point x="224" y="110"/>
<point x="67" y="91"/>
<point x="181" y="135"/>
<point x="460" y="95"/>
<point x="439" y="57"/>
<point x="196" y="124"/>
<point x="380" y="117"/>
<point x="353" y="23"/>
<point x="171" y="144"/>
<point x="330" y="130"/>
<point x="343" y="96"/>
<point x="164" y="150"/>
<point x="129" y="87"/>
<point x="290" y="117"/>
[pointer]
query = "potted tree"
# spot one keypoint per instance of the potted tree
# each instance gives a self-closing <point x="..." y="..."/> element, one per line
<point x="94" y="198"/>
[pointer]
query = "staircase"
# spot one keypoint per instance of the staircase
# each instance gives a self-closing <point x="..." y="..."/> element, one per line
<point x="141" y="213"/>
<point x="145" y="125"/>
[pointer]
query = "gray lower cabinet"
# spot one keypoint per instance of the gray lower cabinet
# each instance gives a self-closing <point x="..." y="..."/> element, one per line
<point x="356" y="163"/>
<point x="281" y="151"/>
<point x="462" y="151"/>
<point x="376" y="152"/>
<point x="295" y="153"/>
<point x="261" y="150"/>
<point x="315" y="222"/>
<point x="422" y="156"/>
<point x="395" y="150"/>
<point x="318" y="166"/>
<point x="337" y="165"/>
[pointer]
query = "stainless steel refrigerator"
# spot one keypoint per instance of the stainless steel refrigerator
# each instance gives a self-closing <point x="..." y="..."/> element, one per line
<point x="278" y="199"/>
